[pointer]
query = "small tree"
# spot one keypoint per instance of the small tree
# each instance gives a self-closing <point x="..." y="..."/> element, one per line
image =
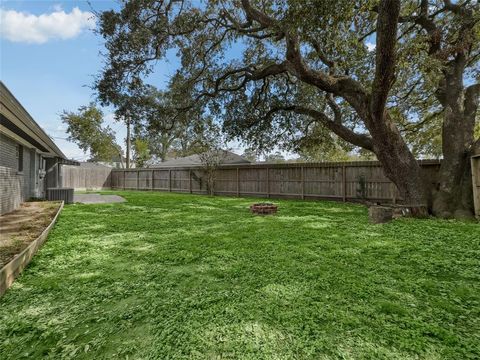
<point x="211" y="153"/>
<point x="85" y="128"/>
<point x="211" y="160"/>
<point x="141" y="153"/>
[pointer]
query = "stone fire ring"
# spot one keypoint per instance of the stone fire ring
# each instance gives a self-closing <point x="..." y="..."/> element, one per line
<point x="263" y="208"/>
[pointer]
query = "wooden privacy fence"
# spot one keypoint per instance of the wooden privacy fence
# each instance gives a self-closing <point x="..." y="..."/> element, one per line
<point x="347" y="181"/>
<point x="475" y="160"/>
<point x="85" y="178"/>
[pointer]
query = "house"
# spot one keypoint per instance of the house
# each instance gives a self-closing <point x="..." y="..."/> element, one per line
<point x="226" y="158"/>
<point x="29" y="160"/>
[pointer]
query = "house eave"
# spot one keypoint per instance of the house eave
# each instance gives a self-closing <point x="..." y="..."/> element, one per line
<point x="19" y="122"/>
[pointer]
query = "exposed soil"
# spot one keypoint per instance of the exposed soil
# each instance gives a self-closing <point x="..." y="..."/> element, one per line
<point x="20" y="227"/>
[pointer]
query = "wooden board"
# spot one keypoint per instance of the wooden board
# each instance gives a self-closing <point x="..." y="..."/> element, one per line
<point x="346" y="181"/>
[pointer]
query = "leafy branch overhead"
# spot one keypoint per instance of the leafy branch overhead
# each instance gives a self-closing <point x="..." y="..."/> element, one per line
<point x="166" y="131"/>
<point x="86" y="128"/>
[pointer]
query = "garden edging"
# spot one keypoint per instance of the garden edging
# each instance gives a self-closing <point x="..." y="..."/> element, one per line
<point x="10" y="271"/>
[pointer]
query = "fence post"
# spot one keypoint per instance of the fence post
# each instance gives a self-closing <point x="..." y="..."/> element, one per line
<point x="344" y="183"/>
<point x="475" y="168"/>
<point x="169" y="180"/>
<point x="268" y="182"/>
<point x="238" y="183"/>
<point x="303" y="182"/>
<point x="151" y="182"/>
<point x="190" y="180"/>
<point x="124" y="179"/>
<point x="394" y="197"/>
<point x="138" y="179"/>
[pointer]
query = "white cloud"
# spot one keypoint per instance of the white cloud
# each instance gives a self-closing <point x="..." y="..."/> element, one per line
<point x="24" y="27"/>
<point x="370" y="46"/>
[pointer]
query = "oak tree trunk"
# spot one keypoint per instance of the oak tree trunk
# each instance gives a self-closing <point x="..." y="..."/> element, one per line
<point x="399" y="164"/>
<point x="454" y="196"/>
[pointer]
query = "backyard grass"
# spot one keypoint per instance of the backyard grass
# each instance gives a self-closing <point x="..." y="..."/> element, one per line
<point x="173" y="276"/>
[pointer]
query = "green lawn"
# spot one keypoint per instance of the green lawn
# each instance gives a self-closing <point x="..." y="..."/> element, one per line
<point x="172" y="276"/>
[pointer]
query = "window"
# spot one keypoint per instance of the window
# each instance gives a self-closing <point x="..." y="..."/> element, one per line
<point x="20" y="157"/>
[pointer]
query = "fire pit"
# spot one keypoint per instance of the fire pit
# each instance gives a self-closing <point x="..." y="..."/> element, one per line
<point x="263" y="208"/>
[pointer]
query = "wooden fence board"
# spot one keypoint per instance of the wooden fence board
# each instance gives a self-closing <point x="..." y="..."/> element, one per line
<point x="475" y="163"/>
<point x="83" y="178"/>
<point x="340" y="180"/>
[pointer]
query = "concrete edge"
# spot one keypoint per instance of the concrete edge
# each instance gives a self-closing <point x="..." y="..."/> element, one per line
<point x="10" y="271"/>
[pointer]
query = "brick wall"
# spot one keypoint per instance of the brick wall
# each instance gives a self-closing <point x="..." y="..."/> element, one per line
<point x="15" y="187"/>
<point x="27" y="178"/>
<point x="11" y="189"/>
<point x="8" y="152"/>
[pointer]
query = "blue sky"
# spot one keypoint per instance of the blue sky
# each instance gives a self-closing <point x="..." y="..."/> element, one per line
<point x="49" y="56"/>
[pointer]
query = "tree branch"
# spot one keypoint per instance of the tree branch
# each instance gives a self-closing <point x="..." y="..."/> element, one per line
<point x="389" y="11"/>
<point x="361" y="140"/>
<point x="342" y="85"/>
<point x="472" y="100"/>
<point x="255" y="14"/>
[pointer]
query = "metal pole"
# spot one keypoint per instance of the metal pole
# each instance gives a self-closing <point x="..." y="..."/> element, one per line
<point x="303" y="183"/>
<point x="238" y="183"/>
<point x="128" y="143"/>
<point x="59" y="175"/>
<point x="169" y="180"/>
<point x="190" y="180"/>
<point x="268" y="182"/>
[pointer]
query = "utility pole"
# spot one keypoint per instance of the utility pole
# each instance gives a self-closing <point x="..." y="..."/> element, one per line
<point x="128" y="142"/>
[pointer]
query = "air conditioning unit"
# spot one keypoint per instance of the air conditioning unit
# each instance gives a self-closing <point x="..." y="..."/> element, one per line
<point x="65" y="194"/>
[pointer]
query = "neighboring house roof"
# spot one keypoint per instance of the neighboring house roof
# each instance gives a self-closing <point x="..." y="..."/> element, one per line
<point x="114" y="159"/>
<point x="92" y="165"/>
<point x="17" y="123"/>
<point x="228" y="158"/>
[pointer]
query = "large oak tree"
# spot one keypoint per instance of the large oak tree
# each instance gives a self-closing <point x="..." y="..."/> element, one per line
<point x="279" y="71"/>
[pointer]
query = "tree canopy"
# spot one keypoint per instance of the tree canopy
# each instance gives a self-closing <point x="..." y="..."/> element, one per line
<point x="86" y="128"/>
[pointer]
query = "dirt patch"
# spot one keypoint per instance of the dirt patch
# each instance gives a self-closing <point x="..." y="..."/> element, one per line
<point x="20" y="227"/>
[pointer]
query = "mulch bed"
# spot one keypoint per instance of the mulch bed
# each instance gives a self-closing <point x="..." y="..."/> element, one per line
<point x="20" y="227"/>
